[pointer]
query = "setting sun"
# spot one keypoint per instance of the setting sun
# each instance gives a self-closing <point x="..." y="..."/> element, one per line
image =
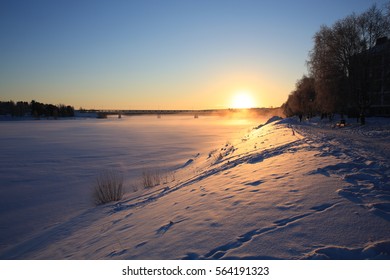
<point x="243" y="100"/>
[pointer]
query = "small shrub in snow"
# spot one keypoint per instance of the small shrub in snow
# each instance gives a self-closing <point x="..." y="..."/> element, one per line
<point x="108" y="187"/>
<point x="151" y="178"/>
<point x="154" y="177"/>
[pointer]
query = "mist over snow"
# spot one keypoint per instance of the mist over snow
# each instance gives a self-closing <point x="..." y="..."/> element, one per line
<point x="234" y="189"/>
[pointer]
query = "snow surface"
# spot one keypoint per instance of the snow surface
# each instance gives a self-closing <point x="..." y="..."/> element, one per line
<point x="283" y="190"/>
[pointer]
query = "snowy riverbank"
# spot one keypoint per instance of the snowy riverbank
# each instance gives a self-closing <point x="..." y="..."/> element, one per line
<point x="285" y="190"/>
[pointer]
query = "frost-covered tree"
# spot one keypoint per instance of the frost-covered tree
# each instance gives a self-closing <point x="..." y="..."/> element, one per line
<point x="303" y="99"/>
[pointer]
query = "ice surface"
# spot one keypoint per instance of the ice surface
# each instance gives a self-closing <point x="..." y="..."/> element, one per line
<point x="47" y="167"/>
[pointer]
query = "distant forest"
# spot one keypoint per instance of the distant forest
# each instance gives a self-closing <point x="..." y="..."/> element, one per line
<point x="35" y="109"/>
<point x="348" y="68"/>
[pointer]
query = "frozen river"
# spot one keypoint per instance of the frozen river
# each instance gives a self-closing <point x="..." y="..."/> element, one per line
<point x="50" y="166"/>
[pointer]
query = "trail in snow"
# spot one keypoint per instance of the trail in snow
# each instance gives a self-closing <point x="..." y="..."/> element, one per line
<point x="365" y="164"/>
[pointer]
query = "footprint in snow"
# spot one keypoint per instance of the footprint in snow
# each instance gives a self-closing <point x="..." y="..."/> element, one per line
<point x="141" y="244"/>
<point x="255" y="183"/>
<point x="116" y="254"/>
<point x="162" y="230"/>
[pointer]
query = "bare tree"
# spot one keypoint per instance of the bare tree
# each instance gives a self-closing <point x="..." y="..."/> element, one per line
<point x="330" y="59"/>
<point x="373" y="24"/>
<point x="326" y="66"/>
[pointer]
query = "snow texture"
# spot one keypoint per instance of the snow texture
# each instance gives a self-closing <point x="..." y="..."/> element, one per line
<point x="282" y="190"/>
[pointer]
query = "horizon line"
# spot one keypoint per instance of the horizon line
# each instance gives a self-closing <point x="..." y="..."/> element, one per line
<point x="175" y="110"/>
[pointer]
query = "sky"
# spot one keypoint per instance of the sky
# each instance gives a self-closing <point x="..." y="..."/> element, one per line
<point x="149" y="54"/>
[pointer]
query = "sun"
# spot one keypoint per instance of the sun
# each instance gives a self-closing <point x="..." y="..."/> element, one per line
<point x="243" y="100"/>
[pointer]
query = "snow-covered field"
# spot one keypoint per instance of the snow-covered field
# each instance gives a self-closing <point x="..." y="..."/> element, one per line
<point x="284" y="190"/>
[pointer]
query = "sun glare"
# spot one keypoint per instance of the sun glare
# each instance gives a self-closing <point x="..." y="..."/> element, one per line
<point x="243" y="100"/>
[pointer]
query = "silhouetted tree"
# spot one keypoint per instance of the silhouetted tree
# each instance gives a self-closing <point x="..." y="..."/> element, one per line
<point x="329" y="63"/>
<point x="35" y="109"/>
<point x="302" y="101"/>
<point x="373" y="24"/>
<point x="330" y="59"/>
<point x="7" y="107"/>
<point x="21" y="109"/>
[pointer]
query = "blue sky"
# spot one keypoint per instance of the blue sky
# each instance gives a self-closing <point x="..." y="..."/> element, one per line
<point x="159" y="54"/>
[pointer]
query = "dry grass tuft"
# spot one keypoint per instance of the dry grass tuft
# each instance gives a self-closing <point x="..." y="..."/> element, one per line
<point x="151" y="178"/>
<point x="108" y="187"/>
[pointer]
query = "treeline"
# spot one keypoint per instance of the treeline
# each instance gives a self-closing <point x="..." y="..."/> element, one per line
<point x="332" y="85"/>
<point x="35" y="109"/>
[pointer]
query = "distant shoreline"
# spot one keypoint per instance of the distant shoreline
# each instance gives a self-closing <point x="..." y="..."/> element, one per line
<point x="206" y="112"/>
<point x="103" y="113"/>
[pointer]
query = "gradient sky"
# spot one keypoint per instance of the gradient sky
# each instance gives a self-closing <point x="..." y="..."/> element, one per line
<point x="148" y="54"/>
